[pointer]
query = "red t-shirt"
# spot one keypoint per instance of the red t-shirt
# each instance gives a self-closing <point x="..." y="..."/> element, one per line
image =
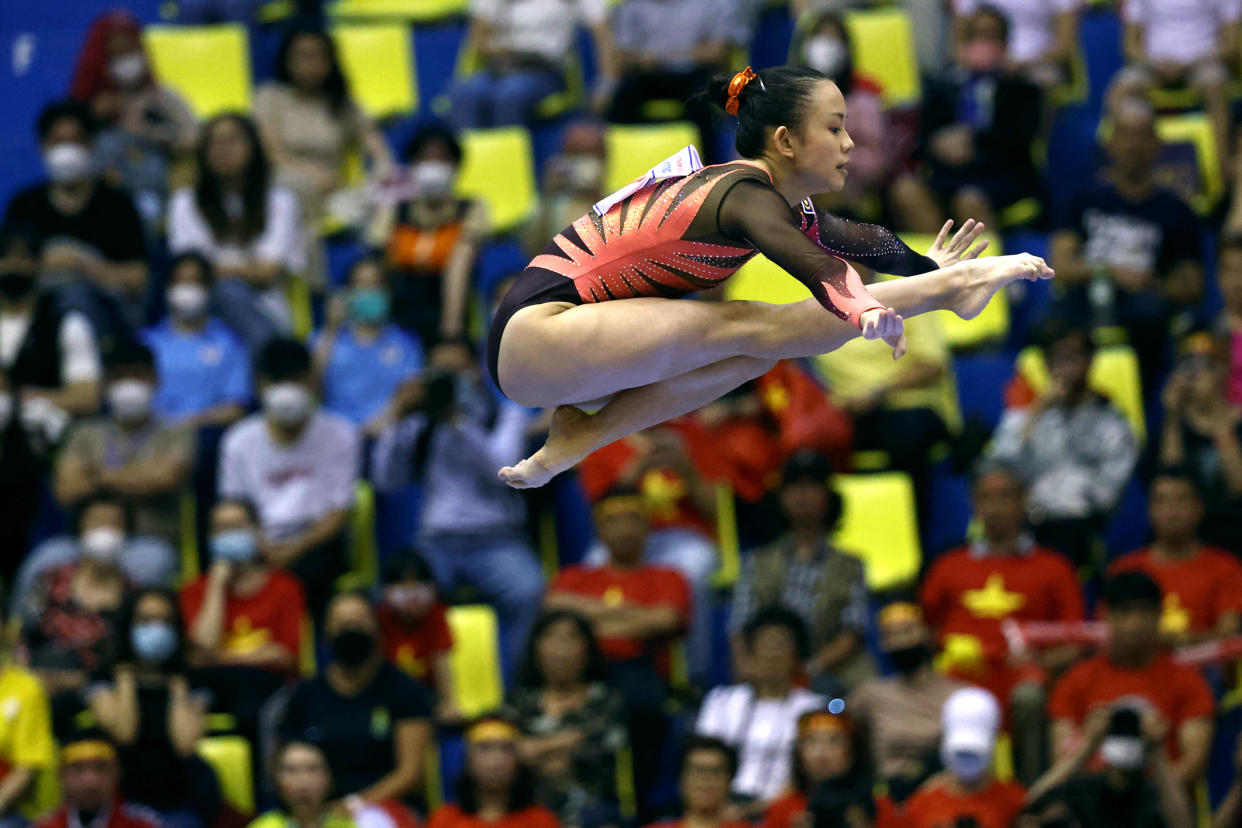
<point x="1177" y="691"/>
<point x="1197" y="591"/>
<point x="968" y="594"/>
<point x="274" y="614"/>
<point x="936" y="805"/>
<point x="781" y="812"/>
<point x="451" y="816"/>
<point x="123" y="815"/>
<point x="648" y="586"/>
<point x="414" y="649"/>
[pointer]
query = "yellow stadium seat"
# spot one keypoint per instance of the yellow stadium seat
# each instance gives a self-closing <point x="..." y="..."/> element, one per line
<point x="229" y="757"/>
<point x="189" y="537"/>
<point x="880" y="525"/>
<point x="363" y="555"/>
<point x="1195" y="130"/>
<point x="298" y="294"/>
<point x="762" y="280"/>
<point x="209" y="66"/>
<point x="499" y="170"/>
<point x="882" y="41"/>
<point x="634" y="149"/>
<point x="727" y="538"/>
<point x="433" y="777"/>
<point x="475" y="659"/>
<point x="415" y="11"/>
<point x="626" y="796"/>
<point x="1114" y="373"/>
<point x="378" y="62"/>
<point x="307" y="660"/>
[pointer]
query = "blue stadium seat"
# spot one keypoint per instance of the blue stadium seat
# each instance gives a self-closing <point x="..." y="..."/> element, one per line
<point x="981" y="379"/>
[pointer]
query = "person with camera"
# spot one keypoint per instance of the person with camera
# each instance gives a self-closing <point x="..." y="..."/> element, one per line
<point x="449" y="436"/>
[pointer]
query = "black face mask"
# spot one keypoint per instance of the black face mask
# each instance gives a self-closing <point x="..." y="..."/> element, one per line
<point x="908" y="659"/>
<point x="352" y="647"/>
<point x="16" y="284"/>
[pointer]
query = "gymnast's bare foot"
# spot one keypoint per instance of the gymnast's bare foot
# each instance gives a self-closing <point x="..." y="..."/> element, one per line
<point x="968" y="296"/>
<point x="569" y="440"/>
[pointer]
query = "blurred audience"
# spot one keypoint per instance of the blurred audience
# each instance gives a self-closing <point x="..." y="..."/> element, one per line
<point x="415" y="631"/>
<point x="1043" y="36"/>
<point x="93" y="244"/>
<point x="361" y="357"/>
<point x="759" y="717"/>
<point x="1137" y="668"/>
<point x="1229" y="324"/>
<point x="371" y="719"/>
<point x="145" y="127"/>
<point x="90" y="778"/>
<point x="900" y="714"/>
<point x="451" y="437"/>
<point x="802" y="571"/>
<point x="304" y="788"/>
<point x="978" y="127"/>
<point x="248" y="226"/>
<point x="431" y="238"/>
<point x="966" y="791"/>
<point x="969" y="593"/>
<point x="832" y="782"/>
<point x="203" y="369"/>
<point x="1071" y="447"/>
<point x="705" y="778"/>
<point x="572" y="722"/>
<point x="1203" y="432"/>
<point x="298" y="465"/>
<point x="573" y="181"/>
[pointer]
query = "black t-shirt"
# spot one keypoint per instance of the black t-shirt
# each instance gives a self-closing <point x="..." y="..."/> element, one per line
<point x="109" y="223"/>
<point x="1099" y="805"/>
<point x="357" y="733"/>
<point x="1153" y="234"/>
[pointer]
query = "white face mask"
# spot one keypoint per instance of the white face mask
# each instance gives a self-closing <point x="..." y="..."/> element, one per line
<point x="1122" y="752"/>
<point x="102" y="544"/>
<point x="827" y="54"/>
<point x="968" y="767"/>
<point x="433" y="178"/>
<point x="130" y="400"/>
<point x="187" y="300"/>
<point x="585" y="171"/>
<point x="287" y="403"/>
<point x="128" y="69"/>
<point x="67" y="162"/>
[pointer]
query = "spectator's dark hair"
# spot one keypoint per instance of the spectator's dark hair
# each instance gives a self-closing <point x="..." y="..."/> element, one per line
<point x="998" y="14"/>
<point x="366" y="259"/>
<point x="834" y="18"/>
<point x="283" y="359"/>
<point x="335" y="89"/>
<point x="620" y="490"/>
<point x="778" y="616"/>
<point x="992" y="465"/>
<point x="697" y="743"/>
<point x="302" y="740"/>
<point x="596" y="669"/>
<point x="14" y="234"/>
<point x="522" y="789"/>
<point x="244" y="503"/>
<point x="779" y="96"/>
<point x="1177" y="472"/>
<point x="811" y="465"/>
<point x="209" y="193"/>
<point x="204" y="265"/>
<point x="434" y="132"/>
<point x="127" y="355"/>
<point x="102" y="499"/>
<point x="62" y="109"/>
<point x="125" y="624"/>
<point x="408" y="564"/>
<point x="1053" y="331"/>
<point x="1131" y="589"/>
<point x="859" y="752"/>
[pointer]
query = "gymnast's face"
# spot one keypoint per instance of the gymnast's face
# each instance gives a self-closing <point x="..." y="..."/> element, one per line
<point x="821" y="145"/>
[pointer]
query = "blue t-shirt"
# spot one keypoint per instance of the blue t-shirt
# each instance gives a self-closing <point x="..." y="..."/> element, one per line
<point x="198" y="371"/>
<point x="360" y="377"/>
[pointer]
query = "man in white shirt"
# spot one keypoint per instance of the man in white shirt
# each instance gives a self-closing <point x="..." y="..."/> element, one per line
<point x="298" y="464"/>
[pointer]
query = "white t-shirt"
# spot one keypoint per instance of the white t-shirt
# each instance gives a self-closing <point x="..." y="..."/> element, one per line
<point x="292" y="486"/>
<point x="762" y="731"/>
<point x="79" y="351"/>
<point x="1032" y="23"/>
<point x="1182" y="31"/>
<point x="546" y="28"/>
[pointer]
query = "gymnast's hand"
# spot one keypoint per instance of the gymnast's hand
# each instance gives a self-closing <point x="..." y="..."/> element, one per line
<point x="886" y="324"/>
<point x="958" y="248"/>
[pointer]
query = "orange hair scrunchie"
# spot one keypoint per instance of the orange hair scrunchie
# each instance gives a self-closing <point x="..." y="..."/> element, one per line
<point x="736" y="86"/>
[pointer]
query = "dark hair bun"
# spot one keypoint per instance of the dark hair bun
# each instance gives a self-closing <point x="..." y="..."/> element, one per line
<point x="777" y="96"/>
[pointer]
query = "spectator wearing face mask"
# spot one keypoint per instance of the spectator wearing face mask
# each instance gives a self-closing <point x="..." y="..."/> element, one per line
<point x="573" y="181"/>
<point x="298" y="465"/>
<point x="90" y="776"/>
<point x="203" y="368"/>
<point x="431" y="239"/>
<point x="415" y="631"/>
<point x="1135" y="787"/>
<point x="372" y="719"/>
<point x="70" y="610"/>
<point x="144" y="126"/>
<point x="149" y="708"/>
<point x="361" y="357"/>
<point x="94" y="245"/>
<point x="899" y="714"/>
<point x="966" y="789"/>
<point x="1042" y="38"/>
<point x="135" y="456"/>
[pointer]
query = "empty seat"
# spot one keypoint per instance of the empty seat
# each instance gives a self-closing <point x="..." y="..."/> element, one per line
<point x="209" y="66"/>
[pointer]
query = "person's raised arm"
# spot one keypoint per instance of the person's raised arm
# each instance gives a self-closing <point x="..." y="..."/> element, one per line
<point x="1194" y="739"/>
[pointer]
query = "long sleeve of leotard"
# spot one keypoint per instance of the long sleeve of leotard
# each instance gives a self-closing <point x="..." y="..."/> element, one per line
<point x="868" y="244"/>
<point x="756" y="213"/>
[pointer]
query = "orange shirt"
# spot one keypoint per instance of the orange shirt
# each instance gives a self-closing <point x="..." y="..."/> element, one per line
<point x="969" y="594"/>
<point x="781" y="812"/>
<point x="1197" y="591"/>
<point x="274" y="614"/>
<point x="648" y="586"/>
<point x="937" y="805"/>
<point x="1177" y="691"/>
<point x="451" y="816"/>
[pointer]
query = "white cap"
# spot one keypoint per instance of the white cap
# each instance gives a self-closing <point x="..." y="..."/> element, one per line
<point x="970" y="720"/>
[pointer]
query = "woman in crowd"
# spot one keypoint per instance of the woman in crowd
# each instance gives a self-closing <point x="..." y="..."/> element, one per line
<point x="304" y="789"/>
<point x="414" y="624"/>
<point x="829" y="774"/>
